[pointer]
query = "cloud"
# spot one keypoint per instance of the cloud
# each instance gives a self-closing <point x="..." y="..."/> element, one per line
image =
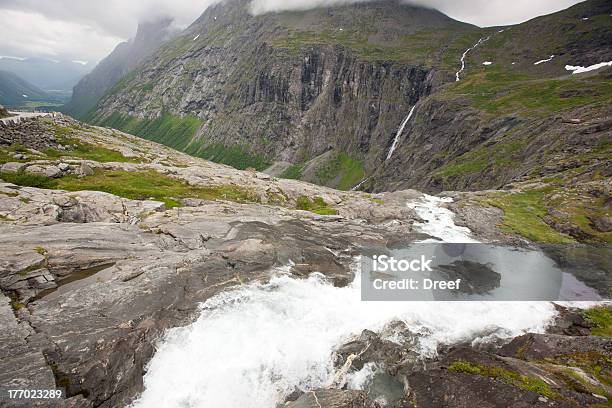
<point x="88" y="30"/>
<point x="26" y="34"/>
<point x="479" y="12"/>
<point x="83" y="30"/>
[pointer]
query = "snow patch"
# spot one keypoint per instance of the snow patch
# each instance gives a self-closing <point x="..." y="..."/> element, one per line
<point x="196" y="37"/>
<point x="544" y="60"/>
<point x="487" y="63"/>
<point x="24" y="95"/>
<point x="580" y="70"/>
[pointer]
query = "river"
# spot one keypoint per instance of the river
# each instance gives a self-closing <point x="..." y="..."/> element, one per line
<point x="253" y="345"/>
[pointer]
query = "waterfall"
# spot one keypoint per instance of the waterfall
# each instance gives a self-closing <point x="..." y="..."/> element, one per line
<point x="399" y="132"/>
<point x="358" y="186"/>
<point x="482" y="40"/>
<point x="255" y="344"/>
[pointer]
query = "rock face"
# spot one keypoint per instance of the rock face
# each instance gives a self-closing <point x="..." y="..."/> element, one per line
<point x="3" y="112"/>
<point x="333" y="399"/>
<point x="453" y="147"/>
<point x="123" y="60"/>
<point x="541" y="370"/>
<point x="91" y="280"/>
<point x="327" y="90"/>
<point x="268" y="88"/>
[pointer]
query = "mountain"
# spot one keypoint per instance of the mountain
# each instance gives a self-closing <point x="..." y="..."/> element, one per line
<point x="15" y="91"/>
<point x="523" y="114"/>
<point x="291" y="86"/>
<point x="124" y="58"/>
<point x="46" y="74"/>
<point x="325" y="92"/>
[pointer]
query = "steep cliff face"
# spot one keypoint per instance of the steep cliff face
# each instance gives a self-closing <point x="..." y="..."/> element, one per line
<point x="519" y="110"/>
<point x="124" y="58"/>
<point x="323" y="93"/>
<point x="290" y="87"/>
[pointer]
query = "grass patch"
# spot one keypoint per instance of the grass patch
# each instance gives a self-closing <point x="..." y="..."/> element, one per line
<point x="65" y="135"/>
<point x="316" y="205"/>
<point x="178" y="133"/>
<point x="422" y="47"/>
<point x="489" y="158"/>
<point x="91" y="152"/>
<point x="28" y="180"/>
<point x="580" y="384"/>
<point x="137" y="185"/>
<point x="596" y="364"/>
<point x="524" y="215"/>
<point x="235" y="156"/>
<point x="173" y="131"/>
<point x="509" y="377"/>
<point x="601" y="317"/>
<point x="294" y="172"/>
<point x="501" y="92"/>
<point x="343" y="172"/>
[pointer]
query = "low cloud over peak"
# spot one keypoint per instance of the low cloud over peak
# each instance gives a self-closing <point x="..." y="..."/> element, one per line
<point x="478" y="12"/>
<point x="89" y="30"/>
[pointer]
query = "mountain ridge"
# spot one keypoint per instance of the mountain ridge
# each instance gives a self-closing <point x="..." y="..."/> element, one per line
<point x="122" y="60"/>
<point x="16" y="91"/>
<point x="324" y="93"/>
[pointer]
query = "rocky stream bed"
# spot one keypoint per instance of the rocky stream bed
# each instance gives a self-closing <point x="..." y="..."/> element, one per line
<point x="239" y="289"/>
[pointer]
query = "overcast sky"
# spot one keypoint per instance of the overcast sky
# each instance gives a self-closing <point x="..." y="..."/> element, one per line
<point x="87" y="30"/>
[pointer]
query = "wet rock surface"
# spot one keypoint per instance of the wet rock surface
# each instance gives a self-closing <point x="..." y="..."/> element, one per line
<point x="475" y="277"/>
<point x="96" y="340"/>
<point x="90" y="281"/>
<point x="541" y="370"/>
<point x="333" y="399"/>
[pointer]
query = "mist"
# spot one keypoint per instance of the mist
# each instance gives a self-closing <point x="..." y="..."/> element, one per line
<point x="483" y="13"/>
<point x="89" y="30"/>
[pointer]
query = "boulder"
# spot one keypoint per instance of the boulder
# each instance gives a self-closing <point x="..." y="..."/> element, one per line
<point x="602" y="224"/>
<point x="47" y="171"/>
<point x="85" y="170"/>
<point x="333" y="399"/>
<point x="13" y="167"/>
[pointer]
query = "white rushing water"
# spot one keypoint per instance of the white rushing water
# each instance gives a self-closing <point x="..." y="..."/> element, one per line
<point x="399" y="132"/>
<point x="358" y="186"/>
<point x="439" y="221"/>
<point x="252" y="346"/>
<point x="482" y="40"/>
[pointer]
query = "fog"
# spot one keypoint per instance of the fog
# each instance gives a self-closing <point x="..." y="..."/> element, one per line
<point x="89" y="30"/>
<point x="479" y="12"/>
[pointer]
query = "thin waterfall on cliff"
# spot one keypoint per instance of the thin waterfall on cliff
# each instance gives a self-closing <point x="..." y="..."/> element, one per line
<point x="399" y="132"/>
<point x="482" y="40"/>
